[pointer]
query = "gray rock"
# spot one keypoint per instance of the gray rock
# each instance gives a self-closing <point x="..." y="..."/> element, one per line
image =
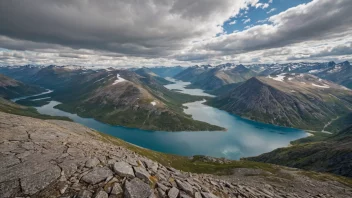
<point x="116" y="189"/>
<point x="101" y="194"/>
<point x="163" y="187"/>
<point x="136" y="188"/>
<point x="209" y="195"/>
<point x="69" y="167"/>
<point x="185" y="187"/>
<point x="123" y="169"/>
<point x="197" y="195"/>
<point x="9" y="188"/>
<point x="153" y="166"/>
<point x="97" y="175"/>
<point x="34" y="183"/>
<point x="184" y="195"/>
<point x="142" y="174"/>
<point x="92" y="163"/>
<point x="84" y="194"/>
<point x="173" y="192"/>
<point x="161" y="193"/>
<point x="153" y="196"/>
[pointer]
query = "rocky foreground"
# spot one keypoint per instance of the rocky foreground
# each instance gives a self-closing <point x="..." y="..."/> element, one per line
<point x="64" y="159"/>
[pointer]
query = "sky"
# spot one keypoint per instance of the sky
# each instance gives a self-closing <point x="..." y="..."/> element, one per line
<point x="135" y="33"/>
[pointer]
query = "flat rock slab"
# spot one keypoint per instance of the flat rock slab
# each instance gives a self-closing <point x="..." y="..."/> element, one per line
<point x="209" y="195"/>
<point x="136" y="188"/>
<point x="123" y="169"/>
<point x="185" y="187"/>
<point x="97" y="175"/>
<point x="173" y="192"/>
<point x="91" y="163"/>
<point x="101" y="194"/>
<point x="34" y="183"/>
<point x="142" y="174"/>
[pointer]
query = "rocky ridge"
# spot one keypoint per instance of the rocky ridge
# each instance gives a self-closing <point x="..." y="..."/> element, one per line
<point x="63" y="159"/>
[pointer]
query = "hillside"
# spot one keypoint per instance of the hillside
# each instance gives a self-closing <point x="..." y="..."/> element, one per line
<point x="134" y="99"/>
<point x="63" y="159"/>
<point x="10" y="88"/>
<point x="167" y="71"/>
<point x="212" y="78"/>
<point x="13" y="108"/>
<point x="339" y="73"/>
<point x="293" y="100"/>
<point x="332" y="154"/>
<point x="190" y="74"/>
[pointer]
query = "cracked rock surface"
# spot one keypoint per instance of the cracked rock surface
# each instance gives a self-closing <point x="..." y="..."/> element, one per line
<point x="63" y="159"/>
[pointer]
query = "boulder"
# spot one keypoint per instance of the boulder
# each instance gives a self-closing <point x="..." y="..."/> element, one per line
<point x="209" y="195"/>
<point x="185" y="187"/>
<point x="142" y="174"/>
<point x="116" y="189"/>
<point x="91" y="163"/>
<point x="97" y="175"/>
<point x="173" y="192"/>
<point x="123" y="169"/>
<point x="101" y="194"/>
<point x="84" y="194"/>
<point x="136" y="188"/>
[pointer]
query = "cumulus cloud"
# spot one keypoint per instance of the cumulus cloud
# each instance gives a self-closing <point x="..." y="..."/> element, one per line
<point x="271" y="10"/>
<point x="302" y="23"/>
<point x="262" y="5"/>
<point x="246" y="21"/>
<point x="233" y="22"/>
<point x="168" y="32"/>
<point x="150" y="28"/>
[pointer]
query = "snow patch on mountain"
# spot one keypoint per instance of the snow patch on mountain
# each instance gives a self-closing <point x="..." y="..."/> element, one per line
<point x="321" y="86"/>
<point x="119" y="79"/>
<point x="279" y="77"/>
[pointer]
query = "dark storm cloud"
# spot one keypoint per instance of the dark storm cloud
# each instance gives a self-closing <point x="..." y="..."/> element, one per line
<point x="138" y="27"/>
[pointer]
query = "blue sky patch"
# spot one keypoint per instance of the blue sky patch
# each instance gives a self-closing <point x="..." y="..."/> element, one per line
<point x="259" y="15"/>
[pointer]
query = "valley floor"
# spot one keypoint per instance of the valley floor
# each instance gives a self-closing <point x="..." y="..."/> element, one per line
<point x="62" y="159"/>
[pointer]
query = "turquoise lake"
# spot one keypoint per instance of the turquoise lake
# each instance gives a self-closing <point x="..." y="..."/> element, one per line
<point x="243" y="138"/>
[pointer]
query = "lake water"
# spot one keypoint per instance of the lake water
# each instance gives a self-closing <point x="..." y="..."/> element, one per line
<point x="243" y="138"/>
<point x="180" y="86"/>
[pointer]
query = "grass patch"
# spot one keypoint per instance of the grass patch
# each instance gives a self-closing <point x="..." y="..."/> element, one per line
<point x="327" y="177"/>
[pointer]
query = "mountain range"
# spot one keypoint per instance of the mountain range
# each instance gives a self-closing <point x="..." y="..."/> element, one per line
<point x="293" y="100"/>
<point x="331" y="154"/>
<point x="211" y="78"/>
<point x="118" y="97"/>
<point x="10" y="88"/>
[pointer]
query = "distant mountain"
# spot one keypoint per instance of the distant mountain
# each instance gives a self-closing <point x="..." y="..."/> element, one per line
<point x="120" y="97"/>
<point x="339" y="73"/>
<point x="211" y="78"/>
<point x="128" y="99"/>
<point x="332" y="154"/>
<point x="167" y="71"/>
<point x="312" y="68"/>
<point x="10" y="88"/>
<point x="293" y="100"/>
<point x="190" y="74"/>
<point x="146" y="72"/>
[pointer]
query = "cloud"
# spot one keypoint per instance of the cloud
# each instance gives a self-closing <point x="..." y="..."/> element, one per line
<point x="150" y="28"/>
<point x="262" y="5"/>
<point x="169" y="32"/>
<point x="295" y="25"/>
<point x="246" y="21"/>
<point x="233" y="22"/>
<point x="271" y="10"/>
